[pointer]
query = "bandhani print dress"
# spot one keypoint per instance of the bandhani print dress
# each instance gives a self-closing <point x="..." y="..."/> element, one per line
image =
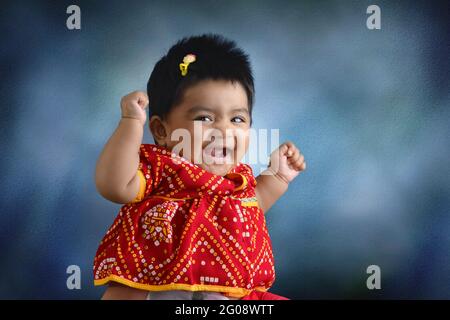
<point x="188" y="229"/>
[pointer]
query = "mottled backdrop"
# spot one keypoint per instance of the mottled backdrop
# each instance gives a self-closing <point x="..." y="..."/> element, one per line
<point x="369" y="109"/>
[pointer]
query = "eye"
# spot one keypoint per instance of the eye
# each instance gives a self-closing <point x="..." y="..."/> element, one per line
<point x="238" y="120"/>
<point x="203" y="118"/>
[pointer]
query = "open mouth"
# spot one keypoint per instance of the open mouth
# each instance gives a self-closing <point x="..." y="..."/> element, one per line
<point x="218" y="155"/>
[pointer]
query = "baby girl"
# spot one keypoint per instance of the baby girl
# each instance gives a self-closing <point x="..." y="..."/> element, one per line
<point x="192" y="225"/>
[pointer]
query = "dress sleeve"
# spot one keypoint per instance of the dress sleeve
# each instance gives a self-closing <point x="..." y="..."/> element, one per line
<point x="142" y="187"/>
<point x="149" y="172"/>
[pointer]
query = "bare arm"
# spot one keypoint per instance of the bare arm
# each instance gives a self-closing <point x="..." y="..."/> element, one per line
<point x="116" y="171"/>
<point x="285" y="164"/>
<point x="269" y="188"/>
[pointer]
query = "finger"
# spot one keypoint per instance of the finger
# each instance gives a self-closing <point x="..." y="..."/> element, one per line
<point x="302" y="166"/>
<point x="290" y="148"/>
<point x="283" y="149"/>
<point x="290" y="144"/>
<point x="143" y="103"/>
<point x="291" y="152"/>
<point x="298" y="163"/>
<point x="295" y="167"/>
<point x="294" y="152"/>
<point x="142" y="98"/>
<point x="137" y="95"/>
<point x="287" y="148"/>
<point x="295" y="157"/>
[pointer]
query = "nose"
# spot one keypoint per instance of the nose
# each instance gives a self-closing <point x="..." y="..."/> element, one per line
<point x="223" y="126"/>
<point x="223" y="133"/>
<point x="226" y="129"/>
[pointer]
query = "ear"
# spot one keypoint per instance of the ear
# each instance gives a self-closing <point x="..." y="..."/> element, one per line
<point x="159" y="130"/>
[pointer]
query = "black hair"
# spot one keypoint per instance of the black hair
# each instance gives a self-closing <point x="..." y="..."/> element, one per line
<point x="217" y="58"/>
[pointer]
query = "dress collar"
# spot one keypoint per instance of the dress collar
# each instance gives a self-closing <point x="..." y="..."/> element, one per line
<point x="235" y="180"/>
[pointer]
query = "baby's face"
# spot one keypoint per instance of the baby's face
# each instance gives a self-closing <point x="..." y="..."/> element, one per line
<point x="218" y="110"/>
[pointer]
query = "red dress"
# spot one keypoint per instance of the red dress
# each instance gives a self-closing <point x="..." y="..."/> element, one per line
<point x="193" y="230"/>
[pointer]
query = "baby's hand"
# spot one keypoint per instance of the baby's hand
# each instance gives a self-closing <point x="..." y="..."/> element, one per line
<point x="287" y="162"/>
<point x="133" y="106"/>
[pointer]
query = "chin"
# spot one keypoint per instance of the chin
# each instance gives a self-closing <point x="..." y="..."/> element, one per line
<point x="218" y="169"/>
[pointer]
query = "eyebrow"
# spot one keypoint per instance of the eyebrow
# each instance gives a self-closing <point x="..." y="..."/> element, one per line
<point x="203" y="108"/>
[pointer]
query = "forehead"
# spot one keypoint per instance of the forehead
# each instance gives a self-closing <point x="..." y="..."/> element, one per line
<point x="215" y="94"/>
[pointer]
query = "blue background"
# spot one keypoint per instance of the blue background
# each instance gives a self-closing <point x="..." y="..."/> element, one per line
<point x="369" y="110"/>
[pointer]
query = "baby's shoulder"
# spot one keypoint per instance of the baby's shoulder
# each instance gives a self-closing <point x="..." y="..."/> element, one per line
<point x="151" y="153"/>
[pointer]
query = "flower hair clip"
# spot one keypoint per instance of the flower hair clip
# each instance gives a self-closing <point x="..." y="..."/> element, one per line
<point x="188" y="59"/>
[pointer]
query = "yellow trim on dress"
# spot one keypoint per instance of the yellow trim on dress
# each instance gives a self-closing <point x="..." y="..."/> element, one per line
<point x="235" y="292"/>
<point x="247" y="202"/>
<point x="250" y="204"/>
<point x="244" y="180"/>
<point x="142" y="187"/>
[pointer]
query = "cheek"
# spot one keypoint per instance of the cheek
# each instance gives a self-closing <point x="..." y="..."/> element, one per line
<point x="179" y="132"/>
<point x="180" y="140"/>
<point x="243" y="142"/>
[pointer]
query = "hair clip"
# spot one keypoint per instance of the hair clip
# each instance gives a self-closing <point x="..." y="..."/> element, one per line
<point x="189" y="58"/>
